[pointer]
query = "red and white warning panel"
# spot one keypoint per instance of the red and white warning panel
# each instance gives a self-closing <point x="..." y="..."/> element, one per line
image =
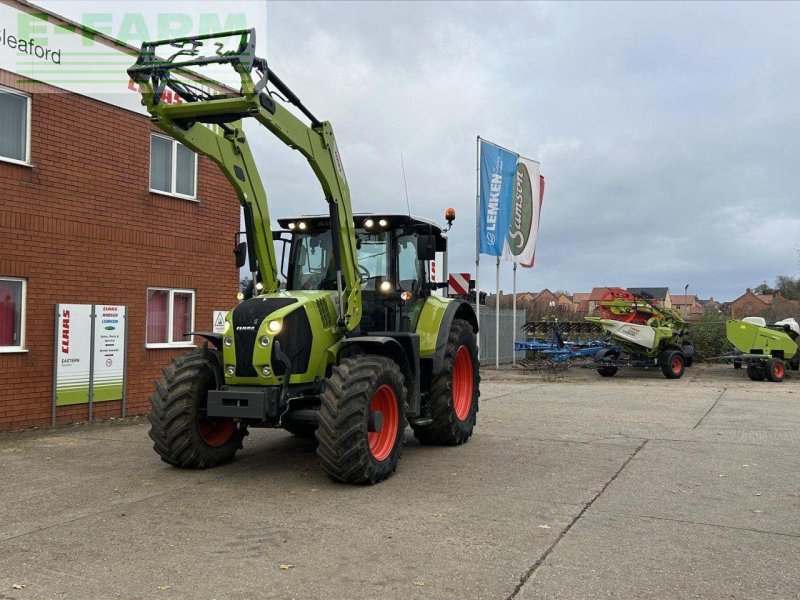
<point x="458" y="284"/>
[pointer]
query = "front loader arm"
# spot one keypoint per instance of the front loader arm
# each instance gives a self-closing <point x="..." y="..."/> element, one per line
<point x="211" y="124"/>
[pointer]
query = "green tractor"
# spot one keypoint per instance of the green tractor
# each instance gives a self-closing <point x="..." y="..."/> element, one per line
<point x="356" y="345"/>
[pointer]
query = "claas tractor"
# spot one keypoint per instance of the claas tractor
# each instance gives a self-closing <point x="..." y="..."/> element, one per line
<point x="355" y="344"/>
<point x="644" y="335"/>
<point x="767" y="349"/>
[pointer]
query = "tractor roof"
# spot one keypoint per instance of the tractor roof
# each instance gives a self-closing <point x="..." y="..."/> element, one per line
<point x="321" y="222"/>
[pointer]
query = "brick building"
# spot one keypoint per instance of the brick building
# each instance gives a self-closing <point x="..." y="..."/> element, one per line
<point x="96" y="206"/>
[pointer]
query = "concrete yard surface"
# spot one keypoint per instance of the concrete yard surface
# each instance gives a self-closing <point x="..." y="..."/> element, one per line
<point x="583" y="487"/>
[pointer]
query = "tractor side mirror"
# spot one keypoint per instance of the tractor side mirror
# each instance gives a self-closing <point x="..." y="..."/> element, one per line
<point x="426" y="247"/>
<point x="240" y="252"/>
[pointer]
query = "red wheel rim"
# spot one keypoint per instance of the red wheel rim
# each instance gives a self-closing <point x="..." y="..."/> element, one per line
<point x="462" y="382"/>
<point x="779" y="370"/>
<point x="216" y="434"/>
<point x="382" y="442"/>
<point x="676" y="365"/>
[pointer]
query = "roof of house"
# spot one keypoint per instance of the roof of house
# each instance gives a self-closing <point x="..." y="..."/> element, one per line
<point x="598" y="292"/>
<point x="581" y="296"/>
<point x="681" y="299"/>
<point x="656" y="293"/>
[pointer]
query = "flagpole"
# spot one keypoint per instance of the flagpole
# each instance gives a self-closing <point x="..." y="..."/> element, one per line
<point x="478" y="239"/>
<point x="514" y="316"/>
<point x="497" y="318"/>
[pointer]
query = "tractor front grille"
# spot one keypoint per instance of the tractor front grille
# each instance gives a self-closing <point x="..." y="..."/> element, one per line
<point x="295" y="341"/>
<point x="247" y="318"/>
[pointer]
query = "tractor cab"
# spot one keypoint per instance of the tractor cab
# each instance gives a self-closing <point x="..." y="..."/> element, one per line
<point x="394" y="253"/>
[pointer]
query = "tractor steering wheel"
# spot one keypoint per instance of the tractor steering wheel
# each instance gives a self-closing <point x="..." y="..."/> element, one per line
<point x="365" y="274"/>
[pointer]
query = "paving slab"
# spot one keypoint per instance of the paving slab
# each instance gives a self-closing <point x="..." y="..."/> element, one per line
<point x="624" y="557"/>
<point x="580" y="487"/>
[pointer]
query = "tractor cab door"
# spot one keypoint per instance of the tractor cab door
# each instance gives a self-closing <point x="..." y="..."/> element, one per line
<point x="411" y="277"/>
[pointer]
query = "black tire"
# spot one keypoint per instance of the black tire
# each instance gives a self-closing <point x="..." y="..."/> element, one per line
<point x="607" y="371"/>
<point x="755" y="372"/>
<point x="343" y="442"/>
<point x="775" y="370"/>
<point x="454" y="415"/>
<point x="182" y="435"/>
<point x="673" y="364"/>
<point x="606" y="354"/>
<point x="737" y="363"/>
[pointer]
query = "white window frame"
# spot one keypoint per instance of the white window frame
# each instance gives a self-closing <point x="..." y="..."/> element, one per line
<point x="22" y="311"/>
<point x="173" y="170"/>
<point x="170" y="344"/>
<point x="27" y="161"/>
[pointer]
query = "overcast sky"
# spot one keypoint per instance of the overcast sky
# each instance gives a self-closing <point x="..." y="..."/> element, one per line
<point x="669" y="134"/>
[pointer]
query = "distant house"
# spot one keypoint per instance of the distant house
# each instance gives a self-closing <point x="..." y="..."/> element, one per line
<point x="564" y="303"/>
<point x="659" y="295"/>
<point x="580" y="302"/>
<point x="711" y="305"/>
<point x="546" y="302"/>
<point x="774" y="305"/>
<point x="688" y="306"/>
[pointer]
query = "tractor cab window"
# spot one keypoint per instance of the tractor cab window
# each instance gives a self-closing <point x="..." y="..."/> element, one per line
<point x="409" y="269"/>
<point x="313" y="265"/>
<point x="373" y="260"/>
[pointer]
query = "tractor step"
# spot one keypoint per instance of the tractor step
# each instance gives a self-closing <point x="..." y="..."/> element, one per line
<point x="421" y="422"/>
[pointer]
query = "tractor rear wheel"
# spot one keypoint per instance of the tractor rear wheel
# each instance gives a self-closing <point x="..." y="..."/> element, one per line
<point x="362" y="419"/>
<point x="755" y="372"/>
<point x="673" y="364"/>
<point x="776" y="370"/>
<point x="183" y="435"/>
<point x="454" y="391"/>
<point x="607" y="371"/>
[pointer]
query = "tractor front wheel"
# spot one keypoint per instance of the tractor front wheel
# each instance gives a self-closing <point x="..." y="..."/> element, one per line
<point x="776" y="370"/>
<point x="673" y="364"/>
<point x="361" y="419"/>
<point x="454" y="391"/>
<point x="183" y="435"/>
<point x="755" y="372"/>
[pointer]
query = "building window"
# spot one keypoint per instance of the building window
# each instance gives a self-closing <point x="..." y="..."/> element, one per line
<point x="170" y="314"/>
<point x="15" y="118"/>
<point x="12" y="314"/>
<point x="173" y="168"/>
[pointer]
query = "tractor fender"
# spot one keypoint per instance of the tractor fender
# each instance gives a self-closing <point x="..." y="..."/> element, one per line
<point x="214" y="338"/>
<point x="405" y="353"/>
<point x="456" y="309"/>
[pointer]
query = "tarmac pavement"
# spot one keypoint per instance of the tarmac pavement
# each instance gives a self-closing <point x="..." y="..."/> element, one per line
<point x="584" y="487"/>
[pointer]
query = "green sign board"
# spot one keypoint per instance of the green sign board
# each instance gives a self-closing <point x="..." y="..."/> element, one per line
<point x="89" y="353"/>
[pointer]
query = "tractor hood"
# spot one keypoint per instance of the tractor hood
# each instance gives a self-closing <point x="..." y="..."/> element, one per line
<point x="266" y="332"/>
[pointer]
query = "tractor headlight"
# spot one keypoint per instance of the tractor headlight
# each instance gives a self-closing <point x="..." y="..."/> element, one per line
<point x="240" y="296"/>
<point x="259" y="287"/>
<point x="292" y="226"/>
<point x="386" y="286"/>
<point x="274" y="327"/>
<point x="230" y="370"/>
<point x="264" y="341"/>
<point x="228" y="341"/>
<point x="265" y="371"/>
<point x="302" y="225"/>
<point x="369" y="224"/>
<point x="383" y="223"/>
